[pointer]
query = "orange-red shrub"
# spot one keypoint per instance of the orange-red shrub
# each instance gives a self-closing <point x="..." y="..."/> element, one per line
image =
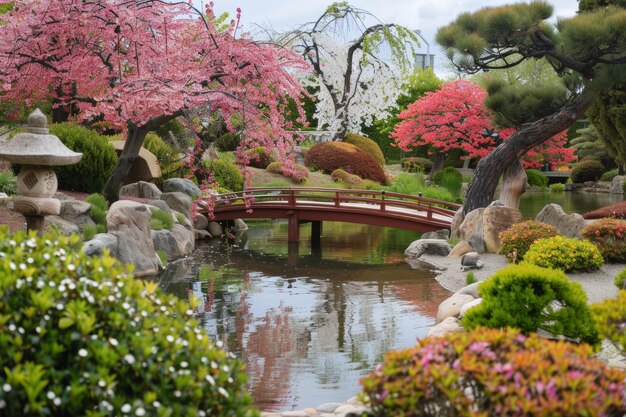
<point x="329" y="156"/>
<point x="609" y="236"/>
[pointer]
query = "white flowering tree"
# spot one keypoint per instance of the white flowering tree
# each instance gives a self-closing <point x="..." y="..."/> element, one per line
<point x="358" y="80"/>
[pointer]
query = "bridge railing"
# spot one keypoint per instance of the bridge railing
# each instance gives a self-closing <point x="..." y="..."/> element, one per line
<point x="301" y="196"/>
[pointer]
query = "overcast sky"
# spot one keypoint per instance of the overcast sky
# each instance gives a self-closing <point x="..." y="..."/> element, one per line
<point x="425" y="15"/>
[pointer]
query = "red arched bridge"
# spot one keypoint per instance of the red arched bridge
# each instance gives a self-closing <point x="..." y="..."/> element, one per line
<point x="300" y="205"/>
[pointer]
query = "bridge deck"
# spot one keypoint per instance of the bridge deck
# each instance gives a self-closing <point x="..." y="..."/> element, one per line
<point x="379" y="208"/>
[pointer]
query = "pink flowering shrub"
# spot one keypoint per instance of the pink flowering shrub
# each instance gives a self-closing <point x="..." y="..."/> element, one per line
<point x="494" y="373"/>
<point x="296" y="173"/>
<point x="609" y="236"/>
<point x="516" y="240"/>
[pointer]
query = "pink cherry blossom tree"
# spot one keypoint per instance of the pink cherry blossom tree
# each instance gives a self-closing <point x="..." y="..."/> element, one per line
<point x="136" y="64"/>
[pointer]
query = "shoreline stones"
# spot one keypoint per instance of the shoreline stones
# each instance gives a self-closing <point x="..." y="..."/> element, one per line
<point x="350" y="408"/>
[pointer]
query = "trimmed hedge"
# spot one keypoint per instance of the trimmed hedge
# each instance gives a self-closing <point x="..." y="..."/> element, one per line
<point x="536" y="178"/>
<point x="526" y="297"/>
<point x="80" y="336"/>
<point x="564" y="253"/>
<point x="367" y="145"/>
<point x="329" y="156"/>
<point x="590" y="170"/>
<point x="493" y="373"/>
<point x="93" y="170"/>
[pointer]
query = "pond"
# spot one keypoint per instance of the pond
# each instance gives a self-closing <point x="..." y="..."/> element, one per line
<point x="571" y="202"/>
<point x="309" y="331"/>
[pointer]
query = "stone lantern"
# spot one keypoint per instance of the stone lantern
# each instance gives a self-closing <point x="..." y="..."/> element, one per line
<point x="37" y="152"/>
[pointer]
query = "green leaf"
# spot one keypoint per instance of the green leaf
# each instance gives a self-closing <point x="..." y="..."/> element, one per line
<point x="65" y="322"/>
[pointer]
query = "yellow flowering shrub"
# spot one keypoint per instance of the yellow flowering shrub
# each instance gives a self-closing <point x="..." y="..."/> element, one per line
<point x="564" y="253"/>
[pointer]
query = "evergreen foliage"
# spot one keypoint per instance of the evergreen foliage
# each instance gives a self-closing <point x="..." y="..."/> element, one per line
<point x="536" y="178"/>
<point x="225" y="173"/>
<point x="450" y="179"/>
<point x="99" y="157"/>
<point x="168" y="157"/>
<point x="366" y="145"/>
<point x="329" y="156"/>
<point x="531" y="298"/>
<point x="563" y="253"/>
<point x="590" y="170"/>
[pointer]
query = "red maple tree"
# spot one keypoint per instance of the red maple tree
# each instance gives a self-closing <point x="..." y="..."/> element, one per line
<point x="136" y="64"/>
<point x="455" y="117"/>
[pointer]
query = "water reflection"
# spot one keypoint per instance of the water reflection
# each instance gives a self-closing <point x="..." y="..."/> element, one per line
<point x="308" y="332"/>
<point x="571" y="202"/>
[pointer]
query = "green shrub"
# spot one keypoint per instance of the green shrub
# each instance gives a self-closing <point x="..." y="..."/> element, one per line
<point x="99" y="207"/>
<point x="180" y="218"/>
<point x="160" y="219"/>
<point x="536" y="178"/>
<point x="416" y="164"/>
<point x="515" y="241"/>
<point x="169" y="160"/>
<point x="175" y="127"/>
<point x="228" y="142"/>
<point x="329" y="156"/>
<point x="162" y="256"/>
<point x="413" y="184"/>
<point x="366" y="145"/>
<point x="450" y="179"/>
<point x="93" y="170"/>
<point x="531" y="298"/>
<point x="564" y="253"/>
<point x="80" y="336"/>
<point x="590" y="170"/>
<point x="610" y="316"/>
<point x="226" y="173"/>
<point x="620" y="280"/>
<point x="557" y="186"/>
<point x="88" y="231"/>
<point x="8" y="182"/>
<point x="609" y="236"/>
<point x="609" y="175"/>
<point x="490" y="372"/>
<point x="470" y="278"/>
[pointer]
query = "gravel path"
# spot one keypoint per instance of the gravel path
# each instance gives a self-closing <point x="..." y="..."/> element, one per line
<point x="598" y="284"/>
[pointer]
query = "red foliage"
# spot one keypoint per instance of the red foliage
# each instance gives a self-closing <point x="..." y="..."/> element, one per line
<point x="455" y="117"/>
<point x="609" y="236"/>
<point x="617" y="210"/>
<point x="329" y="156"/>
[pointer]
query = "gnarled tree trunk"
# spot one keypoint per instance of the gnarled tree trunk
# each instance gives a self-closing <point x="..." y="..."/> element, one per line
<point x="483" y="185"/>
<point x="514" y="183"/>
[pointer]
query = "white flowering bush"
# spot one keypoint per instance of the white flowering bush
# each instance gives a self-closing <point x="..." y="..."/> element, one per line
<point x="79" y="336"/>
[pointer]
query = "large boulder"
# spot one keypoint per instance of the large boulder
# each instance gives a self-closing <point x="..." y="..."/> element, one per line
<point x="239" y="225"/>
<point x="438" y="234"/>
<point x="200" y="222"/>
<point x="447" y="326"/>
<point x="215" y="229"/>
<point x="177" y="242"/>
<point x="65" y="227"/>
<point x="457" y="220"/>
<point x="497" y="219"/>
<point x="569" y="225"/>
<point x="101" y="241"/>
<point x="129" y="221"/>
<point x="617" y="185"/>
<point x="451" y="307"/>
<point x="472" y="224"/>
<point x="141" y="189"/>
<point x="182" y="185"/>
<point x="145" y="167"/>
<point x="429" y="247"/>
<point x="178" y="201"/>
<point x="77" y="212"/>
<point x="460" y="249"/>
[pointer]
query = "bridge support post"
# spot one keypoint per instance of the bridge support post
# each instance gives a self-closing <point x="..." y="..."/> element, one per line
<point x="316" y="236"/>
<point x="293" y="226"/>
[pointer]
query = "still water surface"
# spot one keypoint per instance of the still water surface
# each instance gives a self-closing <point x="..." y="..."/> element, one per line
<point x="308" y="333"/>
<point x="309" y="330"/>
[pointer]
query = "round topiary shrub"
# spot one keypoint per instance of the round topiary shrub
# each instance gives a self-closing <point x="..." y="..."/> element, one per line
<point x="80" y="336"/>
<point x="610" y="316"/>
<point x="620" y="280"/>
<point x="515" y="241"/>
<point x="328" y="156"/>
<point x="93" y="170"/>
<point x="450" y="179"/>
<point x="366" y="145"/>
<point x="536" y="178"/>
<point x="590" y="170"/>
<point x="569" y="255"/>
<point x="490" y="372"/>
<point x="416" y="164"/>
<point x="226" y="173"/>
<point x="531" y="298"/>
<point x="609" y="236"/>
